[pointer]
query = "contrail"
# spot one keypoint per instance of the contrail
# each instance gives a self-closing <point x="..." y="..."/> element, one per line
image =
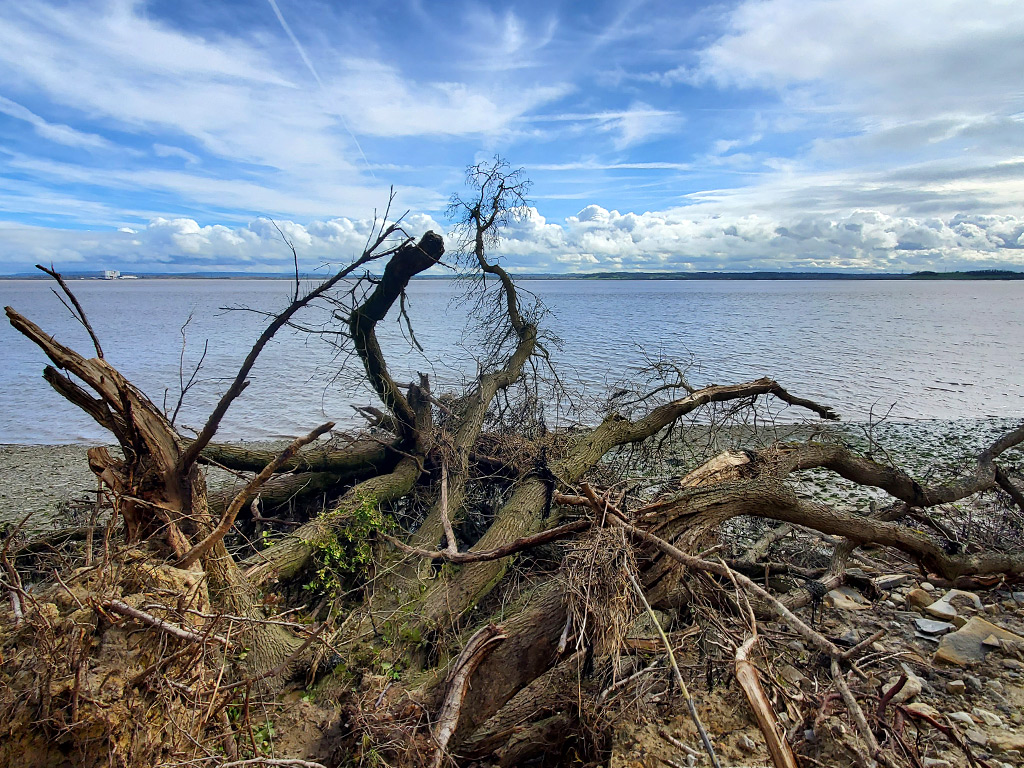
<point x="313" y="72"/>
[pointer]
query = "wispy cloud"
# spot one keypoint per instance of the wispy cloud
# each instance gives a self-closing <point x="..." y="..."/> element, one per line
<point x="61" y="134"/>
<point x="782" y="118"/>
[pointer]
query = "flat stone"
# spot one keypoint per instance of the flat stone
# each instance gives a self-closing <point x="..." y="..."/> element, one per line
<point x="976" y="736"/>
<point x="959" y="621"/>
<point x="919" y="598"/>
<point x="842" y="600"/>
<point x="991" y="642"/>
<point x="988" y="718"/>
<point x="940" y="609"/>
<point x="960" y="597"/>
<point x="927" y="586"/>
<point x="1018" y="597"/>
<point x="962" y="717"/>
<point x="930" y="627"/>
<point x="890" y="581"/>
<point x="956" y="687"/>
<point x="966" y="645"/>
<point x="1006" y="741"/>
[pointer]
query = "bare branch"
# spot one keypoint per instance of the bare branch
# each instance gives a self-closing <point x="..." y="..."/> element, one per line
<point x="74" y="300"/>
<point x="228" y="518"/>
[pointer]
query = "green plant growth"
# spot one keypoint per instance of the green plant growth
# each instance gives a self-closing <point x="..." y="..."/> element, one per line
<point x="343" y="560"/>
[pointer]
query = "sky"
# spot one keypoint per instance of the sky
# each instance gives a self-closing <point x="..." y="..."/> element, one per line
<point x="181" y="135"/>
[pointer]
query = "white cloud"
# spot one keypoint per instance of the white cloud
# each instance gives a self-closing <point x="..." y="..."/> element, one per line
<point x="61" y="134"/>
<point x="163" y="150"/>
<point x="596" y="239"/>
<point x="884" y="57"/>
<point x="377" y="99"/>
<point x="182" y="244"/>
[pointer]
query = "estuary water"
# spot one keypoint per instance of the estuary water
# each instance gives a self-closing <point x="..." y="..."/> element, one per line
<point x="918" y="350"/>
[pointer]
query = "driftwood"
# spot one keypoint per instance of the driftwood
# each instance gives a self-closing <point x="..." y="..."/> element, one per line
<point x="439" y="545"/>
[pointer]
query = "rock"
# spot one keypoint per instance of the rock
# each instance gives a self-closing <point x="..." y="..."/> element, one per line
<point x="1005" y="741"/>
<point x="988" y="718"/>
<point x="977" y="737"/>
<point x="994" y="685"/>
<point x="940" y="609"/>
<point x="973" y="683"/>
<point x="747" y="744"/>
<point x="846" y="599"/>
<point x="959" y="621"/>
<point x="924" y="709"/>
<point x="991" y="642"/>
<point x="890" y="581"/>
<point x="910" y="689"/>
<point x="791" y="675"/>
<point x="966" y="645"/>
<point x="888" y="603"/>
<point x="992" y="609"/>
<point x="930" y="627"/>
<point x="1018" y="597"/>
<point x="918" y="598"/>
<point x="849" y="638"/>
<point x="952" y="603"/>
<point x="897" y="598"/>
<point x="962" y="717"/>
<point x="936" y="762"/>
<point x="796" y="645"/>
<point x="956" y="687"/>
<point x="927" y="586"/>
<point x="1012" y="664"/>
<point x="959" y="598"/>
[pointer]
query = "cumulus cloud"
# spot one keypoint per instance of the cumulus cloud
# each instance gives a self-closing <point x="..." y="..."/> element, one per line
<point x="184" y="245"/>
<point x="595" y="239"/>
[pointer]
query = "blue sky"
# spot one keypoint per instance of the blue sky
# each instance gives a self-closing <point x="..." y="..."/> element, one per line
<point x="777" y="134"/>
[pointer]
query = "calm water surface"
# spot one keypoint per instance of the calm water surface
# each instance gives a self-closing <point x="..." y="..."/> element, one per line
<point x="935" y="350"/>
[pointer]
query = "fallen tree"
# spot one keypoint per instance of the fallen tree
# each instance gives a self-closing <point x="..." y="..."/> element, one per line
<point x="474" y="591"/>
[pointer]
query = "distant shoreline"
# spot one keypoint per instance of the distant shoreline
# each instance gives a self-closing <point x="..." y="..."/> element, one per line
<point x="981" y="274"/>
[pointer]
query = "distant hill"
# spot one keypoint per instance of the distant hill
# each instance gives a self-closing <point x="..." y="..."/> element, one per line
<point x="977" y="274"/>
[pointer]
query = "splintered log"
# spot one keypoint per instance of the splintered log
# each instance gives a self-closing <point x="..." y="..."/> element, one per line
<point x="407" y="262"/>
<point x="157" y="496"/>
